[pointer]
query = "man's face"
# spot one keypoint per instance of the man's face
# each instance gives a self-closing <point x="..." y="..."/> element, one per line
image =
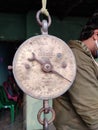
<point x="95" y="43"/>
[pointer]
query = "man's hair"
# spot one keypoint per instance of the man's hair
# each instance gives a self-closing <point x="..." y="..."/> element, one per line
<point x="89" y="28"/>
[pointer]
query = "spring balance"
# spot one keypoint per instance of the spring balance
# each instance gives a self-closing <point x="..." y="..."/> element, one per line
<point x="44" y="67"/>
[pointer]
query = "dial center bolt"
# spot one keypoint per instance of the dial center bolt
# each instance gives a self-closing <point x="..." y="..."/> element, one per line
<point x="47" y="67"/>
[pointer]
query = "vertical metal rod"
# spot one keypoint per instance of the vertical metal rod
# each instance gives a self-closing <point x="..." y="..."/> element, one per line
<point x="46" y="106"/>
<point x="45" y="127"/>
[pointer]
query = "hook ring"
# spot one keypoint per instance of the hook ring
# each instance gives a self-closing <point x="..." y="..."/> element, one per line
<point x="39" y="21"/>
<point x="43" y="110"/>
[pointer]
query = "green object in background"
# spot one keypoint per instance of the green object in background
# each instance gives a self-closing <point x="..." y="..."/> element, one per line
<point x="96" y="59"/>
<point x="12" y="27"/>
<point x="5" y="103"/>
<point x="32" y="108"/>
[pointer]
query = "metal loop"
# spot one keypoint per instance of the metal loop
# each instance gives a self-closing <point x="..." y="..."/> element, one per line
<point x="39" y="21"/>
<point x="43" y="110"/>
<point x="44" y="28"/>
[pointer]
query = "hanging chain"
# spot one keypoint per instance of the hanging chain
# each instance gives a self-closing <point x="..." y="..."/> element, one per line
<point x="45" y="110"/>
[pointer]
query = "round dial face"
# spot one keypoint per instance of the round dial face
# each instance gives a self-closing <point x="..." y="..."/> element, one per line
<point x="44" y="67"/>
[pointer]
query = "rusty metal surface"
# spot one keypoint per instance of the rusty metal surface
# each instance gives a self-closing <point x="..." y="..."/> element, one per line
<point x="44" y="67"/>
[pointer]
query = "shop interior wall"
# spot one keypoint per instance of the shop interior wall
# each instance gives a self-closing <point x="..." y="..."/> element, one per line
<point x="12" y="31"/>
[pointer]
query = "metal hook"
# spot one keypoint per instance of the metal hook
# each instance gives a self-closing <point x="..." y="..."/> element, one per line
<point x="43" y="23"/>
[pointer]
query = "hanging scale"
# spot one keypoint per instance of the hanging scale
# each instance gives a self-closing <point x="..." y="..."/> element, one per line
<point x="44" y="68"/>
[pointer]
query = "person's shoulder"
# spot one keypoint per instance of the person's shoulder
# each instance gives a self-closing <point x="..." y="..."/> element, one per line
<point x="74" y="44"/>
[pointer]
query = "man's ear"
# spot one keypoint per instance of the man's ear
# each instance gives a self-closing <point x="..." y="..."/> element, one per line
<point x="95" y="35"/>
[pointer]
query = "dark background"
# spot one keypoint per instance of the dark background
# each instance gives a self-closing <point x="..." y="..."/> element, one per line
<point x="59" y="8"/>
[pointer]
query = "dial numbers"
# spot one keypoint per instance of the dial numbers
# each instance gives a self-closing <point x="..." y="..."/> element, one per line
<point x="44" y="67"/>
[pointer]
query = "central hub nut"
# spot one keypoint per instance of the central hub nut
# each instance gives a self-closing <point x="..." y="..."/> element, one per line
<point x="47" y="67"/>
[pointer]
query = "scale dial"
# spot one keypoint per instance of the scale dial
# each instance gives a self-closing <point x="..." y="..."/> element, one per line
<point x="44" y="67"/>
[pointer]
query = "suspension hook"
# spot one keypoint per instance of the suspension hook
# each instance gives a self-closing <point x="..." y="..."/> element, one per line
<point x="44" y="23"/>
